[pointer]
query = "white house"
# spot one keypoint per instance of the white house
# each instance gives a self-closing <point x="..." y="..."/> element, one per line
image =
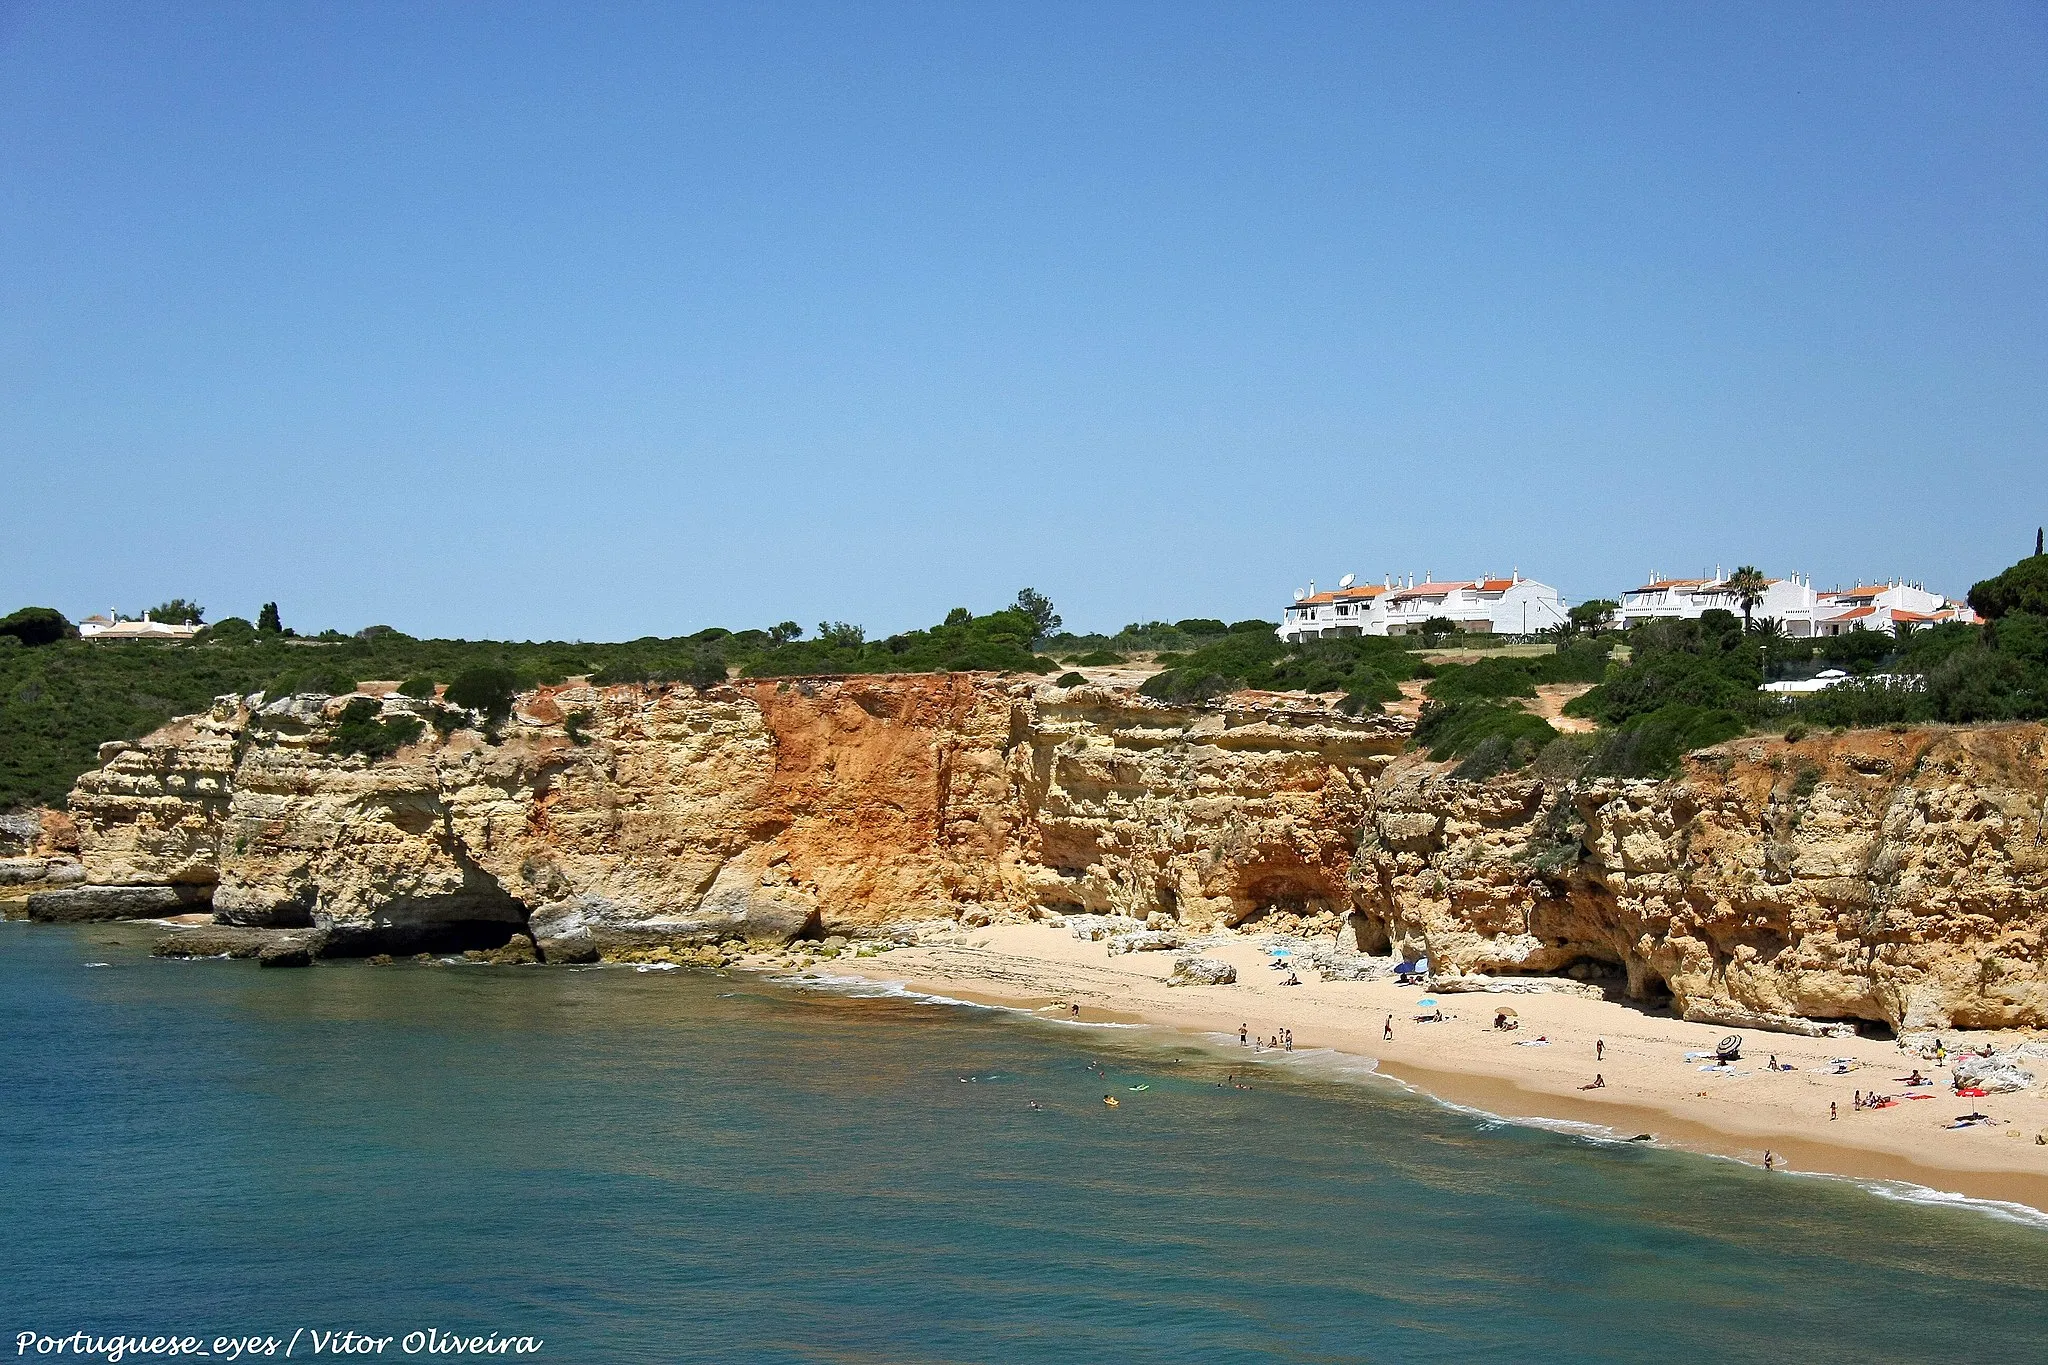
<point x="1511" y="606"/>
<point x="1793" y="602"/>
<point x="112" y="627"/>
<point x="1788" y="601"/>
<point x="1887" y="606"/>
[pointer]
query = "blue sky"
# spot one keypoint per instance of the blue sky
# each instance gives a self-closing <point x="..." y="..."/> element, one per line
<point x="600" y="321"/>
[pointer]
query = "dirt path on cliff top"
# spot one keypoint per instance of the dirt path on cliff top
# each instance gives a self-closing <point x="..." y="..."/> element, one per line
<point x="1650" y="1084"/>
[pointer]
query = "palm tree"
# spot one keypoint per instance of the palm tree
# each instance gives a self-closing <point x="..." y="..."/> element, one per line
<point x="1747" y="586"/>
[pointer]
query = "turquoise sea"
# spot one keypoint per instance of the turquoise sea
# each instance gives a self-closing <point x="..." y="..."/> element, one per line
<point x="678" y="1166"/>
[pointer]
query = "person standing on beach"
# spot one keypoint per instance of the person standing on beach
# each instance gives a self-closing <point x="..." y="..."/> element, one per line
<point x="1599" y="1049"/>
<point x="1832" y="1115"/>
<point x="1387" y="1033"/>
<point x="1770" y="1162"/>
<point x="1243" y="1035"/>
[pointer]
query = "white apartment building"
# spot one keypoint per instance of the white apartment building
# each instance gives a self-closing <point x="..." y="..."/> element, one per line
<point x="1794" y="603"/>
<point x="1788" y="601"/>
<point x="1887" y="606"/>
<point x="1509" y="606"/>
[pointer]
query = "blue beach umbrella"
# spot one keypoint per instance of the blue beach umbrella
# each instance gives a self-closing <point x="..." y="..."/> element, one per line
<point x="1426" y="1000"/>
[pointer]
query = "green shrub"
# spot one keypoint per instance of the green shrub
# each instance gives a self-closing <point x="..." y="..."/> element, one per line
<point x="1859" y="651"/>
<point x="1805" y="780"/>
<point x="1488" y="678"/>
<point x="1365" y="668"/>
<point x="317" y="679"/>
<point x="488" y="689"/>
<point x="1069" y="680"/>
<point x="359" y="731"/>
<point x="1098" y="659"/>
<point x="1986" y="684"/>
<point x="1576" y="661"/>
<point x="622" y="673"/>
<point x="1651" y="744"/>
<point x="1456" y="729"/>
<point x="699" y="671"/>
<point x="421" y="688"/>
<point x="999" y="642"/>
<point x="572" y="726"/>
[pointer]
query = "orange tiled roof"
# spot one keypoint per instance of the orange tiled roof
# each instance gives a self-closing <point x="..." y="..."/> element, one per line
<point x="1853" y="613"/>
<point x="1317" y="599"/>
<point x="1430" y="590"/>
<point x="1674" y="583"/>
<point x="1362" y="590"/>
<point x="1495" y="584"/>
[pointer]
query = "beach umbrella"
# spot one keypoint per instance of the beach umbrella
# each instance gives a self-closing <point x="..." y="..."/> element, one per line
<point x="1504" y="1012"/>
<point x="1281" y="952"/>
<point x="1426" y="1000"/>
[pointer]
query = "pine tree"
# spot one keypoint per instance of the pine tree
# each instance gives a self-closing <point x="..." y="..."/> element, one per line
<point x="267" y="619"/>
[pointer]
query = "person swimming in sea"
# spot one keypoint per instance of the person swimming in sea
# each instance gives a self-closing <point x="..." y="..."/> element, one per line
<point x="1110" y="1100"/>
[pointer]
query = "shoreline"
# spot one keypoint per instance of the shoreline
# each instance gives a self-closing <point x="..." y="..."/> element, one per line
<point x="1650" y="1086"/>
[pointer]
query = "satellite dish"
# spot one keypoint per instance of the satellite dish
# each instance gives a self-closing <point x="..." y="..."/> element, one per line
<point x="1299" y="594"/>
<point x="1347" y="580"/>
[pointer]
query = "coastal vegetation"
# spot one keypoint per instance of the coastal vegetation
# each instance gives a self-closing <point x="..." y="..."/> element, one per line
<point x="62" y="697"/>
<point x="1367" y="669"/>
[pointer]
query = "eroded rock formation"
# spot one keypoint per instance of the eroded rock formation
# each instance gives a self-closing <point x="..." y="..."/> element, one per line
<point x="1895" y="878"/>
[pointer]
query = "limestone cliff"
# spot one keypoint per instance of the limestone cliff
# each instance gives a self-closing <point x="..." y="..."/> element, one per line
<point x="1897" y="878"/>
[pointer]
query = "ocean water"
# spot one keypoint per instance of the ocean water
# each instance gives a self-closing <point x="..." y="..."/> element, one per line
<point x="676" y="1166"/>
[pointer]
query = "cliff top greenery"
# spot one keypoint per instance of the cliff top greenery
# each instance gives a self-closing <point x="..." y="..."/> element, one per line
<point x="62" y="697"/>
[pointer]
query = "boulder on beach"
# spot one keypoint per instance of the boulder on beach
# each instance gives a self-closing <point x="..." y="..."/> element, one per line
<point x="1202" y="971"/>
<point x="1997" y="1074"/>
<point x="285" y="955"/>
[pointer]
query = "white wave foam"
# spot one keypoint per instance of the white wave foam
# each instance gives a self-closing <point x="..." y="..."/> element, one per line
<point x="1906" y="1192"/>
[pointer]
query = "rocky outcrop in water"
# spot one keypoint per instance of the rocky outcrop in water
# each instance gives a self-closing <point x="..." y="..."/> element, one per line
<point x="1896" y="878"/>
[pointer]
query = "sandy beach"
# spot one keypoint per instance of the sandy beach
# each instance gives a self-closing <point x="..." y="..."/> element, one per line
<point x="1650" y="1085"/>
